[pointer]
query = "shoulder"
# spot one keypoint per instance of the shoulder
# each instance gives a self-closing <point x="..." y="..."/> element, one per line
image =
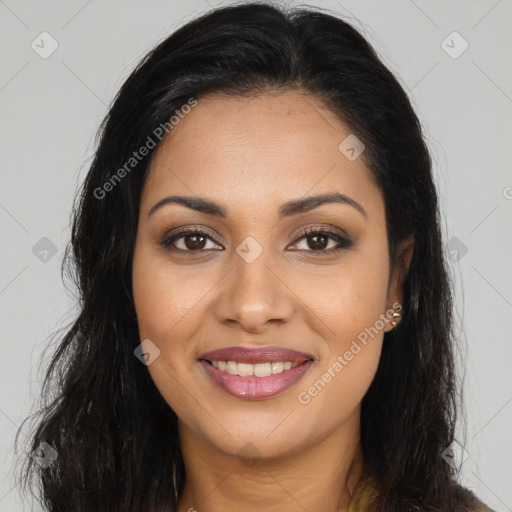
<point x="477" y="505"/>
<point x="481" y="507"/>
<point x="364" y="495"/>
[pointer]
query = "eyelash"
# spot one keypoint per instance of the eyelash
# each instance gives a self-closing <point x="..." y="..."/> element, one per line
<point x="343" y="243"/>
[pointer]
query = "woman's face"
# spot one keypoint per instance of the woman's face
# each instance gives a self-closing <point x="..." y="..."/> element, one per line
<point x="253" y="278"/>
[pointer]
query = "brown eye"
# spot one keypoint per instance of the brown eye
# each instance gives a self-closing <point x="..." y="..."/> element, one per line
<point x="191" y="240"/>
<point x="318" y="241"/>
<point x="194" y="242"/>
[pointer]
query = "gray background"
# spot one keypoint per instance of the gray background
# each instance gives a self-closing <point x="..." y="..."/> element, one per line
<point x="51" y="108"/>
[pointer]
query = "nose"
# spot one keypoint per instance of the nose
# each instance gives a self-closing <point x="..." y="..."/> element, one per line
<point x="254" y="296"/>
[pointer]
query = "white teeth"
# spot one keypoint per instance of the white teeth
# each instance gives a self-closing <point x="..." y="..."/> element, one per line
<point x="262" y="370"/>
<point x="245" y="370"/>
<point x="232" y="368"/>
<point x="277" y="367"/>
<point x="258" y="370"/>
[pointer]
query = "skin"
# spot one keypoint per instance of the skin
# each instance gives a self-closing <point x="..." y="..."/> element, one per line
<point x="251" y="155"/>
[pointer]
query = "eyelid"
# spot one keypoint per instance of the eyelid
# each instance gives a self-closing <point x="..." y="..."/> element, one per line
<point x="334" y="233"/>
<point x="328" y="228"/>
<point x="191" y="229"/>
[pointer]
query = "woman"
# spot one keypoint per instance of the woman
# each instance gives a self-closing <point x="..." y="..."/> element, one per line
<point x="265" y="313"/>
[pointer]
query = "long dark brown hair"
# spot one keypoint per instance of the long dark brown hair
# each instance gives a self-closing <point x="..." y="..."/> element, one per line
<point x="115" y="436"/>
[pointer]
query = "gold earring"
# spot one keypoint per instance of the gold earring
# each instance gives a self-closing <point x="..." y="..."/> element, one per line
<point x="396" y="314"/>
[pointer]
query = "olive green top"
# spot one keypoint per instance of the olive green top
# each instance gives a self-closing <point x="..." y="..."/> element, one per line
<point x="364" y="495"/>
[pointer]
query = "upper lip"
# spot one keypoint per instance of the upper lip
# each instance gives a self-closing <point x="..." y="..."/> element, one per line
<point x="256" y="355"/>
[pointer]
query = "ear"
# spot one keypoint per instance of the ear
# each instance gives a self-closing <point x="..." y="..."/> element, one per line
<point x="398" y="273"/>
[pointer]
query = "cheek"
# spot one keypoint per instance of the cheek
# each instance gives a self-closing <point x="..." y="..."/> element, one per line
<point x="348" y="299"/>
<point x="349" y="303"/>
<point x="168" y="305"/>
<point x="334" y="394"/>
<point x="349" y="359"/>
<point x="165" y="299"/>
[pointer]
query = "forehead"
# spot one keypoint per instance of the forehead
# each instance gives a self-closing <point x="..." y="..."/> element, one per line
<point x="258" y="150"/>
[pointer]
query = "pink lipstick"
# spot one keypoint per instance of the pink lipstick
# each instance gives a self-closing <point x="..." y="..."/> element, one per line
<point x="255" y="374"/>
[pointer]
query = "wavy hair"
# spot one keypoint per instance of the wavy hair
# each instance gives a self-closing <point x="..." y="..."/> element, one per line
<point x="115" y="436"/>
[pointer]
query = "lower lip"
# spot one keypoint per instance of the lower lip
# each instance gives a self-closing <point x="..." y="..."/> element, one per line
<point x="256" y="388"/>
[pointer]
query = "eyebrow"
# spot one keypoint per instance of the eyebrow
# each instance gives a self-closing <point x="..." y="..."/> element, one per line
<point x="286" y="210"/>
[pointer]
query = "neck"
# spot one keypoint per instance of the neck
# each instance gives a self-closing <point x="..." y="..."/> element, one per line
<point x="320" y="478"/>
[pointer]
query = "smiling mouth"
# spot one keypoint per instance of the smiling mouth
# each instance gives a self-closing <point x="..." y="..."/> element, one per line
<point x="265" y="369"/>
